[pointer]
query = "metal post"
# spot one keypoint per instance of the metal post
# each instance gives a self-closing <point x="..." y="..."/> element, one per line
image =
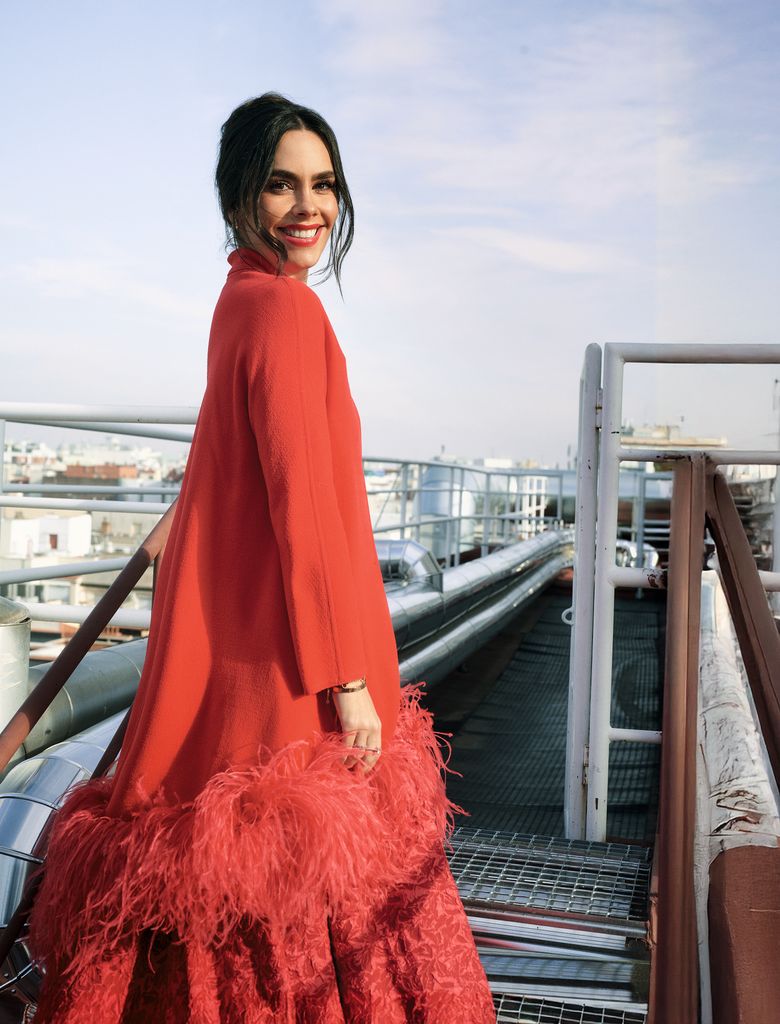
<point x="404" y="498"/>
<point x="641" y="513"/>
<point x="559" y="505"/>
<point x="574" y="799"/>
<point x="487" y="519"/>
<point x="418" y="492"/>
<point x="775" y="597"/>
<point x="448" y="531"/>
<point x="14" y="657"/>
<point x="459" y="521"/>
<point x="506" y="521"/>
<point x="604" y="595"/>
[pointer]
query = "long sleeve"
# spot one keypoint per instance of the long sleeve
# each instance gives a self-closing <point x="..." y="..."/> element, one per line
<point x="286" y="393"/>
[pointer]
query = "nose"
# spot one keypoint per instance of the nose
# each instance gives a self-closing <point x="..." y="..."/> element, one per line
<point x="305" y="204"/>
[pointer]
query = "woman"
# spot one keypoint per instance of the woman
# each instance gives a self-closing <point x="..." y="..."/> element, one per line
<point x="270" y="847"/>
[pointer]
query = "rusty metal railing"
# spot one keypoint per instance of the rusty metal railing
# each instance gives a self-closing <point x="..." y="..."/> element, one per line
<point x="18" y="728"/>
<point x="674" y="977"/>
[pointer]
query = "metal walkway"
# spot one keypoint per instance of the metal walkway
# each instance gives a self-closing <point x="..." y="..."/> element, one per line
<point x="560" y="925"/>
<point x="510" y="743"/>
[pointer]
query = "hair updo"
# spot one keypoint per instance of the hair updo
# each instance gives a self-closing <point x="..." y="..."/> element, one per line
<point x="248" y="143"/>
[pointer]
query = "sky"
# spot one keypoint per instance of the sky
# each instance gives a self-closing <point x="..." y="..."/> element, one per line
<point x="529" y="177"/>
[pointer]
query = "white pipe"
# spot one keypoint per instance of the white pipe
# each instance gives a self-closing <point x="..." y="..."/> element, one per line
<point x="649" y="579"/>
<point x="635" y="735"/>
<point x="84" y="505"/>
<point x="22" y="412"/>
<point x="604" y="596"/>
<point x="14" y="656"/>
<point x="686" y="353"/>
<point x="770" y="580"/>
<point x="720" y="456"/>
<point x="115" y="427"/>
<point x="574" y="797"/>
<point x="31" y="574"/>
<point x="43" y="612"/>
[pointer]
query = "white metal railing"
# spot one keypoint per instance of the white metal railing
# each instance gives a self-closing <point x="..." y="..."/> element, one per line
<point x="448" y="507"/>
<point x="596" y="578"/>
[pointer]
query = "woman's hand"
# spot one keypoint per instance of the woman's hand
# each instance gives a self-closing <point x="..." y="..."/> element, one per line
<point x="361" y="726"/>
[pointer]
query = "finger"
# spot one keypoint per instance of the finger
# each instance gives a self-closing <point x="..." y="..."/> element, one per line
<point x="359" y="747"/>
<point x="373" y="740"/>
<point x="351" y="740"/>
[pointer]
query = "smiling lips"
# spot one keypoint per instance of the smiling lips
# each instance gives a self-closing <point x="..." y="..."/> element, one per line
<point x="302" y="235"/>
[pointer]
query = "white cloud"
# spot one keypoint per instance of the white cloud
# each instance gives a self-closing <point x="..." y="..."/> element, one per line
<point x="553" y="254"/>
<point x="379" y="38"/>
<point x="600" y="113"/>
<point x="78" y="279"/>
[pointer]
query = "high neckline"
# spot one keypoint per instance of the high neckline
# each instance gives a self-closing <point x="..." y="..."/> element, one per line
<point x="245" y="258"/>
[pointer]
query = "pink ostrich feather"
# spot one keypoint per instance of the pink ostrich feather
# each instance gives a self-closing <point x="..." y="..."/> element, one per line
<point x="266" y="842"/>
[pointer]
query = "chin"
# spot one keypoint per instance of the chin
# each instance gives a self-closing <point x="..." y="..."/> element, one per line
<point x="303" y="261"/>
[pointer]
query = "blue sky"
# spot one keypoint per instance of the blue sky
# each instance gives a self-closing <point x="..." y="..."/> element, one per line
<point x="529" y="177"/>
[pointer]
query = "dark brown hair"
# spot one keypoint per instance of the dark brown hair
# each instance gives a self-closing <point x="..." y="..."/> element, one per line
<point x="246" y="154"/>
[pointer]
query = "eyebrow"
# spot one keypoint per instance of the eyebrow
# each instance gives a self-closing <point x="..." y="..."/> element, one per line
<point x="277" y="172"/>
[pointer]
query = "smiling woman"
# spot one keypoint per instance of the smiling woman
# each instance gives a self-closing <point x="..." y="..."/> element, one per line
<point x="270" y="847"/>
<point x="281" y="186"/>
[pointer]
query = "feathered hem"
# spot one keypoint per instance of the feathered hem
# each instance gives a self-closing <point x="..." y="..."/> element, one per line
<point x="264" y="843"/>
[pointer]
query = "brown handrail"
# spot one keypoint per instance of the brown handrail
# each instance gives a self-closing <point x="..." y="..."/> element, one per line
<point x="753" y="621"/>
<point x="44" y="693"/>
<point x="18" y="728"/>
<point x="674" y="975"/>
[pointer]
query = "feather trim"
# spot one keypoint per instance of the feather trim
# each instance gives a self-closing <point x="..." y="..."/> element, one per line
<point x="264" y="841"/>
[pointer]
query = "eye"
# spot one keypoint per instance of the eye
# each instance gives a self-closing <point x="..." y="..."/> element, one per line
<point x="325" y="186"/>
<point x="277" y="185"/>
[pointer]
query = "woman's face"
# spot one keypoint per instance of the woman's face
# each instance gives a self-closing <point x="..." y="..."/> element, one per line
<point x="299" y="204"/>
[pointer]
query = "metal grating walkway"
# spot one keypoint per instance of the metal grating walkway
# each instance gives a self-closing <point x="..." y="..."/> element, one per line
<point x="526" y="1010"/>
<point x="510" y="747"/>
<point x="560" y="925"/>
<point x="601" y="880"/>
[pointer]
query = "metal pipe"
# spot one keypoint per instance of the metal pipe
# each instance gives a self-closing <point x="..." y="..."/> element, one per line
<point x="17" y="730"/>
<point x="43" y="412"/>
<point x="14" y="656"/>
<point x="85" y="505"/>
<point x="674" y="984"/>
<point x="93" y="489"/>
<point x="105" y="427"/>
<point x="647" y="579"/>
<point x="578" y="712"/>
<point x="720" y="456"/>
<point x="696" y="353"/>
<point x="131" y="618"/>
<point x="604" y="596"/>
<point x="770" y="581"/>
<point x="776" y="540"/>
<point x="62" y="569"/>
<point x="635" y="735"/>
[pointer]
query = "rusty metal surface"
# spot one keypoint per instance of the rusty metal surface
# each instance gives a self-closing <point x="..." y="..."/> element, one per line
<point x="674" y="979"/>
<point x="753" y="620"/>
<point x="17" y="730"/>
<point x="744" y="924"/>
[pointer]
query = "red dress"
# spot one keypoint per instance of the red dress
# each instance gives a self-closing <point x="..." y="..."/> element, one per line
<point x="234" y="870"/>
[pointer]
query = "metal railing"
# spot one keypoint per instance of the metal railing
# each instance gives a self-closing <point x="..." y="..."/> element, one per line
<point x="597" y="576"/>
<point x="451" y="508"/>
<point x="700" y="495"/>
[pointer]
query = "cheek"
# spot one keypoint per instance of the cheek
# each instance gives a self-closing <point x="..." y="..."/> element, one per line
<point x="271" y="209"/>
<point x="330" y="208"/>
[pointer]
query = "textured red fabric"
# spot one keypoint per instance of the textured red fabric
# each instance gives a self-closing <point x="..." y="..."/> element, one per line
<point x="233" y="869"/>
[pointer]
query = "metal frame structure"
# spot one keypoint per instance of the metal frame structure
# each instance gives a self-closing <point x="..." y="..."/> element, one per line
<point x="596" y="579"/>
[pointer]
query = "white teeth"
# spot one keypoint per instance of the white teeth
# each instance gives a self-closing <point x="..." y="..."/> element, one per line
<point x="301" y="234"/>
